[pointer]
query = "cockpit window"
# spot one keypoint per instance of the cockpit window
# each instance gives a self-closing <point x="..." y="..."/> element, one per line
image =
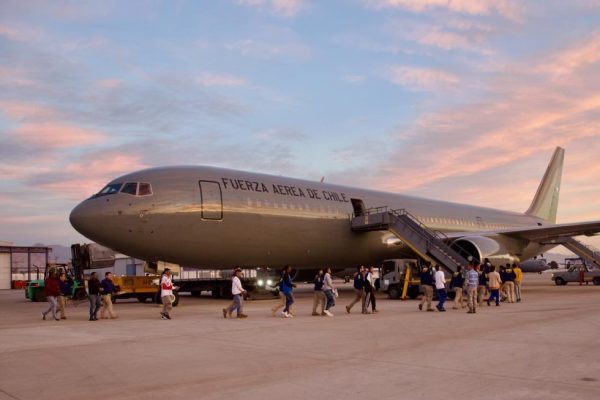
<point x="110" y="189"/>
<point x="145" y="189"/>
<point x="130" y="188"/>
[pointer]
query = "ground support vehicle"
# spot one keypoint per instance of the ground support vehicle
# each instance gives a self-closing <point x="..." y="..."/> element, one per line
<point x="572" y="272"/>
<point x="393" y="277"/>
<point x="259" y="283"/>
<point x="35" y="289"/>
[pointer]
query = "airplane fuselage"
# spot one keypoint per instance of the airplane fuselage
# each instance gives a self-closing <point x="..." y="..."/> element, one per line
<point x="210" y="217"/>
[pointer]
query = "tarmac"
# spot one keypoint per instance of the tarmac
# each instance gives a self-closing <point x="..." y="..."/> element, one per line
<point x="546" y="347"/>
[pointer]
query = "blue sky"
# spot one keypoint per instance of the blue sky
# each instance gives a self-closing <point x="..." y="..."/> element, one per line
<point x="460" y="100"/>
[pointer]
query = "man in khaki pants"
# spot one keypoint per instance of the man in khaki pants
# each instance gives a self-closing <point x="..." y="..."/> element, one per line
<point x="471" y="282"/>
<point x="318" y="296"/>
<point x="108" y="288"/>
<point x="426" y="288"/>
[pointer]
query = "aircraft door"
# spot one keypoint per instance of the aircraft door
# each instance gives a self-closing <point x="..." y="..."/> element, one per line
<point x="212" y="200"/>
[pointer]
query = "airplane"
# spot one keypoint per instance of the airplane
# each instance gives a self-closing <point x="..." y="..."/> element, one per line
<point x="209" y="217"/>
<point x="538" y="265"/>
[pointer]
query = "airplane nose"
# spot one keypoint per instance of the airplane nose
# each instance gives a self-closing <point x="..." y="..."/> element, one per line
<point x="86" y="218"/>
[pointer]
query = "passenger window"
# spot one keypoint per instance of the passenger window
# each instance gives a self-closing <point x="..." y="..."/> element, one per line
<point x="145" y="189"/>
<point x="130" y="188"/>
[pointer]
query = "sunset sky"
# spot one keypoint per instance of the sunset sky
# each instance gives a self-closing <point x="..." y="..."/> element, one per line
<point x="459" y="100"/>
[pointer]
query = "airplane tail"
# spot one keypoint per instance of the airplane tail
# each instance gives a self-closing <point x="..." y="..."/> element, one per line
<point x="545" y="201"/>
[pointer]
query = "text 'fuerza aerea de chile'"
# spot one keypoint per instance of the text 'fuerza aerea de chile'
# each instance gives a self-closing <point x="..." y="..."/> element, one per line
<point x="283" y="190"/>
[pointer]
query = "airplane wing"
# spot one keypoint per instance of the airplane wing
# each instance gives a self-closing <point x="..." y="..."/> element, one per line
<point x="540" y="233"/>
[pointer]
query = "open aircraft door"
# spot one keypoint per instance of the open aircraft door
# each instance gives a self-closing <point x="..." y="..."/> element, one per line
<point x="212" y="200"/>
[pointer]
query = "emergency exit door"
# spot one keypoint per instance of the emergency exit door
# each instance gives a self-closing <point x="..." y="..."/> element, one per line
<point x="211" y="199"/>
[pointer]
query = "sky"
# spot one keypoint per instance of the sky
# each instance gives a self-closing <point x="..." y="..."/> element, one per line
<point x="458" y="100"/>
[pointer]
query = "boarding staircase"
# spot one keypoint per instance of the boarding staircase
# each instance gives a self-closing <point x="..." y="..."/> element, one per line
<point x="588" y="253"/>
<point x="428" y="244"/>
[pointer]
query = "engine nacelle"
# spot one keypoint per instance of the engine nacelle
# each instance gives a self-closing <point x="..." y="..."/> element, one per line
<point x="480" y="247"/>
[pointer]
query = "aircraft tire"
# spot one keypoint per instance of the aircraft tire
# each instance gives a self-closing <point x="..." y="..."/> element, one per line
<point x="596" y="280"/>
<point x="394" y="292"/>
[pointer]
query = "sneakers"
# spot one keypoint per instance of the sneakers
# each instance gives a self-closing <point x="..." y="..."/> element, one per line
<point x="43" y="316"/>
<point x="328" y="313"/>
<point x="242" y="316"/>
<point x="285" y="314"/>
<point x="420" y="307"/>
<point x="163" y="316"/>
<point x="315" y="313"/>
<point x="224" y="313"/>
<point x="348" y="309"/>
<point x="488" y="303"/>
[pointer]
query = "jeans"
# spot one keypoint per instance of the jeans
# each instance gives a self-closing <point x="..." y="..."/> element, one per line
<point x="330" y="299"/>
<point x="95" y="304"/>
<point x="289" y="300"/>
<point x="442" y="297"/>
<point x="495" y="295"/>
<point x="472" y="298"/>
<point x="237" y="304"/>
<point x="53" y="305"/>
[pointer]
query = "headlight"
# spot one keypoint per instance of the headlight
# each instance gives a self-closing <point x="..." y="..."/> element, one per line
<point x="261" y="282"/>
<point x="269" y="282"/>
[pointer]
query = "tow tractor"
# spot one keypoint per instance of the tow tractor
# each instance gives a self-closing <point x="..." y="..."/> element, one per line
<point x="35" y="288"/>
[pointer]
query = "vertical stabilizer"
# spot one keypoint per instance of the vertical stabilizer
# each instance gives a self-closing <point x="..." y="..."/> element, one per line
<point x="545" y="201"/>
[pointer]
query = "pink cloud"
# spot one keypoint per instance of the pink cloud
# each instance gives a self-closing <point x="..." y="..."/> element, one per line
<point x="55" y="135"/>
<point x="422" y="78"/>
<point x="14" y="77"/>
<point x="109" y="83"/>
<point x="574" y="58"/>
<point x="22" y="111"/>
<point x="507" y="8"/>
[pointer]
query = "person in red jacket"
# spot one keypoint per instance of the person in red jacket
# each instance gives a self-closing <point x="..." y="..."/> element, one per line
<point x="52" y="291"/>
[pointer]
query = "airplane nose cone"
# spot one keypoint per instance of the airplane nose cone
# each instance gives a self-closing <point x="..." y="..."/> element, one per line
<point x="86" y="219"/>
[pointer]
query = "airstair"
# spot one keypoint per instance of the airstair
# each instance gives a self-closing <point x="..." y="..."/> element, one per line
<point x="588" y="253"/>
<point x="425" y="242"/>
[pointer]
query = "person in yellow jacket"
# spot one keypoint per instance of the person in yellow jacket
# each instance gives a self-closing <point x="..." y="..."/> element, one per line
<point x="494" y="283"/>
<point x="518" y="280"/>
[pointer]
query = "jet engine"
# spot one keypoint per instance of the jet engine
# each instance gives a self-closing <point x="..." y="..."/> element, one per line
<point x="481" y="247"/>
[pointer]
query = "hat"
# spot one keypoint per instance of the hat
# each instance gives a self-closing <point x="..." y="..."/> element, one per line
<point x="237" y="269"/>
<point x="167" y="269"/>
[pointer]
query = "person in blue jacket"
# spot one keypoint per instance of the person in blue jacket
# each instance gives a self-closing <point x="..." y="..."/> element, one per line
<point x="287" y="288"/>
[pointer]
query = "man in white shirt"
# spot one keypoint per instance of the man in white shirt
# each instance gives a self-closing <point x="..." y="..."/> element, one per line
<point x="440" y="286"/>
<point x="166" y="295"/>
<point x="237" y="291"/>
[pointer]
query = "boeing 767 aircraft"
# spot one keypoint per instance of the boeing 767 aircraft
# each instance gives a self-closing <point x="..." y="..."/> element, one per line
<point x="210" y="217"/>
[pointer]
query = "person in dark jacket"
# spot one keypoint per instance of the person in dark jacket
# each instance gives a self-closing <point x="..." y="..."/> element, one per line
<point x="52" y="291"/>
<point x="64" y="293"/>
<point x="94" y="296"/>
<point x="370" y="290"/>
<point x="319" y="297"/>
<point x="426" y="287"/>
<point x="359" y="290"/>
<point x="287" y="288"/>
<point x="456" y="284"/>
<point x="107" y="288"/>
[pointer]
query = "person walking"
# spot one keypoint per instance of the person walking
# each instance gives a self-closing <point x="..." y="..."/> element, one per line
<point x="329" y="291"/>
<point x="440" y="286"/>
<point x="287" y="288"/>
<point x="166" y="296"/>
<point x="518" y="280"/>
<point x="63" y="294"/>
<point x="508" y="285"/>
<point x="51" y="290"/>
<point x="238" y="296"/>
<point x="456" y="284"/>
<point x="426" y="287"/>
<point x="319" y="297"/>
<point x="472" y="281"/>
<point x="359" y="289"/>
<point x="370" y="290"/>
<point x="494" y="283"/>
<point x="482" y="273"/>
<point x="107" y="289"/>
<point x="94" y="296"/>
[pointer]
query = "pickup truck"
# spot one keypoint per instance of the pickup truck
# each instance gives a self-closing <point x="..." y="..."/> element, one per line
<point x="571" y="274"/>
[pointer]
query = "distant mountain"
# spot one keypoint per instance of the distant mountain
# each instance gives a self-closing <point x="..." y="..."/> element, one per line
<point x="59" y="254"/>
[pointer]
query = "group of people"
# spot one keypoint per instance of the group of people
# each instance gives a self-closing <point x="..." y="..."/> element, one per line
<point x="364" y="289"/>
<point x="477" y="283"/>
<point x="100" y="295"/>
